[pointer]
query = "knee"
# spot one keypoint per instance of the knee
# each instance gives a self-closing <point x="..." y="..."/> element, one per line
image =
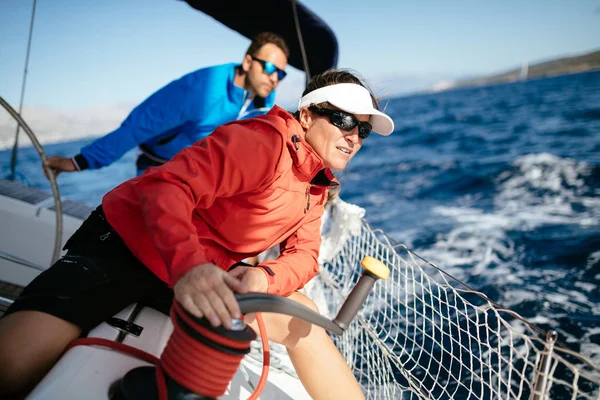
<point x="300" y="332"/>
<point x="13" y="370"/>
<point x="287" y="330"/>
<point x="305" y="301"/>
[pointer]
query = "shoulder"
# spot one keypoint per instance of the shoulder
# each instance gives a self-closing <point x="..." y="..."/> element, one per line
<point x="209" y="75"/>
<point x="279" y="119"/>
<point x="214" y="69"/>
<point x="256" y="134"/>
<point x="275" y="126"/>
<point x="266" y="137"/>
<point x="221" y="69"/>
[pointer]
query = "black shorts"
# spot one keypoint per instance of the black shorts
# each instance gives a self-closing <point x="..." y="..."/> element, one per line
<point x="96" y="279"/>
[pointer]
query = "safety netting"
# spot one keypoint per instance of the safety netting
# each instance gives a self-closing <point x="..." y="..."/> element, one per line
<point x="423" y="335"/>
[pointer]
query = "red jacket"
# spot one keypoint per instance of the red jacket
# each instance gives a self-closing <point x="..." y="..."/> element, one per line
<point x="248" y="186"/>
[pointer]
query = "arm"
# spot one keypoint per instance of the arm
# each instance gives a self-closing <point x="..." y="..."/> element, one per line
<point x="214" y="167"/>
<point x="297" y="263"/>
<point x="112" y="146"/>
<point x="165" y="110"/>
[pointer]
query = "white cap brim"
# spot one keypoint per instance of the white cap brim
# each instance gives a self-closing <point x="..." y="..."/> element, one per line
<point x="353" y="99"/>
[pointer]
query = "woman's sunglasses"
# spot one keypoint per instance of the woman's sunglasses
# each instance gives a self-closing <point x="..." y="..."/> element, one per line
<point x="344" y="121"/>
<point x="269" y="68"/>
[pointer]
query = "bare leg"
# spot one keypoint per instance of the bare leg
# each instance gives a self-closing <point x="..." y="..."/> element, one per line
<point x="320" y="366"/>
<point x="31" y="342"/>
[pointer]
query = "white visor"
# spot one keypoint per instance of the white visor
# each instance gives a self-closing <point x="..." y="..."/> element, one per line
<point x="353" y="99"/>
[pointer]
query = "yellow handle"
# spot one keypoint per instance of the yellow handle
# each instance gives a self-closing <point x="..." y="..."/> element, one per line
<point x="375" y="267"/>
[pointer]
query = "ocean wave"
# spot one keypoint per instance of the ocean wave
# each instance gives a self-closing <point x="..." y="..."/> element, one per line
<point x="586" y="115"/>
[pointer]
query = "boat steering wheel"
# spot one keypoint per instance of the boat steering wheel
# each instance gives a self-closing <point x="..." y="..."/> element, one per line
<point x="200" y="361"/>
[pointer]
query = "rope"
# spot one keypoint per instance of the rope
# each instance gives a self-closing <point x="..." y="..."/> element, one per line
<point x="266" y="358"/>
<point x="200" y="367"/>
<point x="13" y="160"/>
<point x="196" y="365"/>
<point x="13" y="157"/>
<point x="499" y="307"/>
<point x="301" y="42"/>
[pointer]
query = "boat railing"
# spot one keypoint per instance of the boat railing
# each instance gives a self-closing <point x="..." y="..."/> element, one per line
<point x="51" y="177"/>
<point x="17" y="260"/>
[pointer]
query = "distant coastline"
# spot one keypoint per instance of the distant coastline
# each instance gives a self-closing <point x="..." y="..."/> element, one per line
<point x="560" y="66"/>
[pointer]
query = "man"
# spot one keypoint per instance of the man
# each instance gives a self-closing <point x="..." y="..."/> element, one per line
<point x="189" y="109"/>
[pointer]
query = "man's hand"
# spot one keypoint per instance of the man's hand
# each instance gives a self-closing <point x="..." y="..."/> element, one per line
<point x="58" y="164"/>
<point x="207" y="291"/>
<point x="253" y="277"/>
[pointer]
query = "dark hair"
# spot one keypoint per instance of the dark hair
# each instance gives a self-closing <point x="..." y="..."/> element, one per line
<point x="265" y="38"/>
<point x="333" y="192"/>
<point x="333" y="77"/>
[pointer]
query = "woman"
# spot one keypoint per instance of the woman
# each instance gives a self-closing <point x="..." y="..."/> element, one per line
<point x="248" y="186"/>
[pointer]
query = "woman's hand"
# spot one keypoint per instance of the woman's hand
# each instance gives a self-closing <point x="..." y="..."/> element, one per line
<point x="254" y="278"/>
<point x="207" y="291"/>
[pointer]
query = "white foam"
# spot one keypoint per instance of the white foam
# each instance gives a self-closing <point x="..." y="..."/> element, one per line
<point x="478" y="240"/>
<point x="542" y="191"/>
<point x="586" y="286"/>
<point x="593" y="259"/>
<point x="539" y="191"/>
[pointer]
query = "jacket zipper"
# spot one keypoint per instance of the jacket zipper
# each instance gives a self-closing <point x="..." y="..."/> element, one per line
<point x="283" y="229"/>
<point x="288" y="225"/>
<point x="296" y="140"/>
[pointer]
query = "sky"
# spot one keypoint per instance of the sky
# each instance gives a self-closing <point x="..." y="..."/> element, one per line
<point x="111" y="54"/>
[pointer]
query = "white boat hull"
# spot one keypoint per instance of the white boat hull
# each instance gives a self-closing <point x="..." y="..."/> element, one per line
<point x="27" y="230"/>
<point x="87" y="372"/>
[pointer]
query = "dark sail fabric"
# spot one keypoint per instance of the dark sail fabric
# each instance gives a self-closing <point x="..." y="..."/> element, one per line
<point x="250" y="17"/>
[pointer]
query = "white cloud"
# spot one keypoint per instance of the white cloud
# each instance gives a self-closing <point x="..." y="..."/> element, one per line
<point x="59" y="125"/>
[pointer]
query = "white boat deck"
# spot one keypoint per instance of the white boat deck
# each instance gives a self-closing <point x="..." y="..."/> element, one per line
<point x="42" y="199"/>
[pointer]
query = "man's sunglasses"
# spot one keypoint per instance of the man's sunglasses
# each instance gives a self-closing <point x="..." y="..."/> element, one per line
<point x="269" y="68"/>
<point x="344" y="121"/>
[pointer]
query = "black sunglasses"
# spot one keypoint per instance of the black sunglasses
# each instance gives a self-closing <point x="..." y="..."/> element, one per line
<point x="269" y="68"/>
<point x="344" y="121"/>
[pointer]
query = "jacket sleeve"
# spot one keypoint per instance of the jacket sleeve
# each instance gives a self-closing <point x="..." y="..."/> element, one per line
<point x="166" y="109"/>
<point x="297" y="263"/>
<point x="216" y="166"/>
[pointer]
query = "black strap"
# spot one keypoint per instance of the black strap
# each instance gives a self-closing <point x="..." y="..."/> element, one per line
<point x="239" y="264"/>
<point x="143" y="162"/>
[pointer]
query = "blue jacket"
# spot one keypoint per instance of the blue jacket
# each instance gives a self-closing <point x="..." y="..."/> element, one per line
<point x="176" y="116"/>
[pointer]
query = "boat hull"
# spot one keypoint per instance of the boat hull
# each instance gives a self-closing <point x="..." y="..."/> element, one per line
<point x="88" y="372"/>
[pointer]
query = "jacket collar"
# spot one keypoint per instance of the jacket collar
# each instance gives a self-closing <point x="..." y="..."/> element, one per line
<point x="305" y="159"/>
<point x="325" y="178"/>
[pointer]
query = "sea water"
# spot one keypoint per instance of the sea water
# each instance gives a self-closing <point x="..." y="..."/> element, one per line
<point x="499" y="186"/>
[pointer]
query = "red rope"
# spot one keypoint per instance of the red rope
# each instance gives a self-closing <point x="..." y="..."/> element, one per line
<point x="198" y="367"/>
<point x="266" y="358"/>
<point x="141" y="354"/>
<point x="123" y="348"/>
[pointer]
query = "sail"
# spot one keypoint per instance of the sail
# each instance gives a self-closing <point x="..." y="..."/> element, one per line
<point x="252" y="17"/>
